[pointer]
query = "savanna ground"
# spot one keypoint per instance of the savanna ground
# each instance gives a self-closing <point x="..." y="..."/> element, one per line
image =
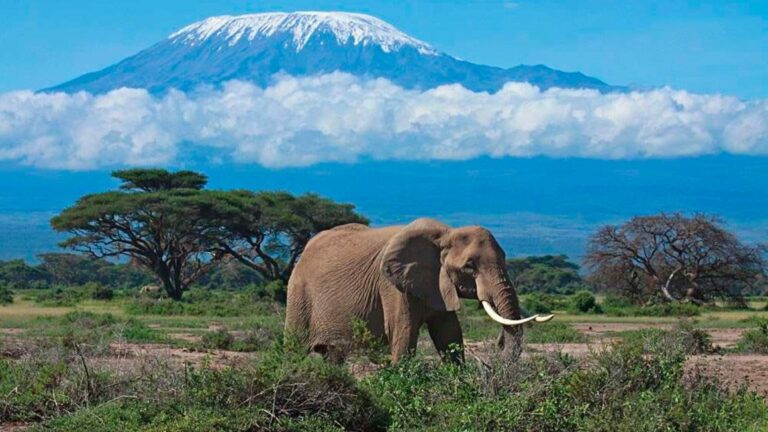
<point x="218" y="362"/>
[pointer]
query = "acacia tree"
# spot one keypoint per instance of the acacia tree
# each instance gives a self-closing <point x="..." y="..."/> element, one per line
<point x="681" y="258"/>
<point x="267" y="231"/>
<point x="155" y="220"/>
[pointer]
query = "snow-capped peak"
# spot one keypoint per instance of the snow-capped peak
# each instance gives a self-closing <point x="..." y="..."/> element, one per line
<point x="360" y="29"/>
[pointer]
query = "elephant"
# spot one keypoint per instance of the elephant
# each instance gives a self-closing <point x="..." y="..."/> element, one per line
<point x="396" y="279"/>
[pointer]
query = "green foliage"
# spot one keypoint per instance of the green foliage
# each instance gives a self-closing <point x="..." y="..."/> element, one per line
<point x="628" y="388"/>
<point x="638" y="385"/>
<point x="205" y="302"/>
<point x="271" y="291"/>
<point x="585" y="302"/>
<point x="217" y="339"/>
<point x="755" y="340"/>
<point x="97" y="291"/>
<point x="58" y="296"/>
<point x="550" y="274"/>
<point x="368" y="345"/>
<point x="553" y="332"/>
<point x="656" y="310"/>
<point x="536" y="304"/>
<point x="17" y="274"/>
<point x="683" y="337"/>
<point x="284" y="391"/>
<point x="166" y="223"/>
<point x="6" y="295"/>
<point x="65" y="269"/>
<point x="268" y="230"/>
<point x="94" y="330"/>
<point x="152" y="180"/>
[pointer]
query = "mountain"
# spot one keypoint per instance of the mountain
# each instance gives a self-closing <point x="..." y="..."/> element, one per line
<point x="256" y="47"/>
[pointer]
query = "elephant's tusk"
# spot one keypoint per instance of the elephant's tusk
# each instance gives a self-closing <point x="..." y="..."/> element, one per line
<point x="501" y="320"/>
<point x="540" y="319"/>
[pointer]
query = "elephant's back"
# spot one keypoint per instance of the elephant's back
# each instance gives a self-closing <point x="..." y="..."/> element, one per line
<point x="346" y="246"/>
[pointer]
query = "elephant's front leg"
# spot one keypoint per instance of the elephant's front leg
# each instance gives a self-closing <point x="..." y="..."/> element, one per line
<point x="445" y="331"/>
<point x="403" y="337"/>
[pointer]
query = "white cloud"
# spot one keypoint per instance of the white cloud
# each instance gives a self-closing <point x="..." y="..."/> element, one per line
<point x="338" y="117"/>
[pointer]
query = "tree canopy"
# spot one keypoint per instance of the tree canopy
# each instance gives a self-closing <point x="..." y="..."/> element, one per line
<point x="550" y="274"/>
<point x="268" y="231"/>
<point x="674" y="257"/>
<point x="153" y="180"/>
<point x="167" y="223"/>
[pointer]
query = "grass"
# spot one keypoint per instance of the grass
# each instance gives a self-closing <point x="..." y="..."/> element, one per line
<point x="639" y="385"/>
<point x="636" y="386"/>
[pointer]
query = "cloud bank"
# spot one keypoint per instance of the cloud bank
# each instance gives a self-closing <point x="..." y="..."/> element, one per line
<point x="339" y="117"/>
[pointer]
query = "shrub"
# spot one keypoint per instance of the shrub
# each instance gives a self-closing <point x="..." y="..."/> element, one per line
<point x="259" y="338"/>
<point x="625" y="388"/>
<point x="58" y="296"/>
<point x="755" y="340"/>
<point x="93" y="332"/>
<point x="284" y="391"/>
<point x="272" y="291"/>
<point x="97" y="291"/>
<point x="585" y="302"/>
<point x="664" y="309"/>
<point x="6" y="294"/>
<point x="203" y="302"/>
<point x="217" y="339"/>
<point x="684" y="337"/>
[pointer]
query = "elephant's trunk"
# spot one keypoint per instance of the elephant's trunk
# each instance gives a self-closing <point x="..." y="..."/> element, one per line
<point x="504" y="308"/>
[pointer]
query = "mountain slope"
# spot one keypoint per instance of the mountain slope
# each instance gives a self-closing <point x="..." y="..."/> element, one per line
<point x="256" y="47"/>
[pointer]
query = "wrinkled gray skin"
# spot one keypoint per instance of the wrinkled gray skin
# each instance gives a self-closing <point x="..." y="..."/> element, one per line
<point x="397" y="279"/>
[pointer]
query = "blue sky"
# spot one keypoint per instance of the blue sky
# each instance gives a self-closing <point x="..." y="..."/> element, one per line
<point x="705" y="47"/>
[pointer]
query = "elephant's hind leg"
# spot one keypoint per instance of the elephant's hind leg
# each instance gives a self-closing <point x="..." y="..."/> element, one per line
<point x="298" y="313"/>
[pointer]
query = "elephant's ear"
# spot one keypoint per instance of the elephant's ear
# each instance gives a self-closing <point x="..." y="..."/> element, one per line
<point x="411" y="262"/>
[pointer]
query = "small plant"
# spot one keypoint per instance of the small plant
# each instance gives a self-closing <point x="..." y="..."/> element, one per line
<point x="6" y="295"/>
<point x="755" y="340"/>
<point x="258" y="338"/>
<point x="217" y="339"/>
<point x="365" y="343"/>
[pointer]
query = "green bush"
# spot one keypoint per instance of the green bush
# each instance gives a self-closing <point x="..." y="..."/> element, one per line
<point x="684" y="337"/>
<point x="203" y="302"/>
<point x="259" y="338"/>
<point x="97" y="291"/>
<point x="272" y="291"/>
<point x="58" y="296"/>
<point x="6" y="294"/>
<point x="284" y="391"/>
<point x="658" y="310"/>
<point x="624" y="389"/>
<point x="755" y="340"/>
<point x="584" y="302"/>
<point x="217" y="339"/>
<point x="93" y="331"/>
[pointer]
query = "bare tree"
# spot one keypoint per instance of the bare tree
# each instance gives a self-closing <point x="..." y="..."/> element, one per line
<point x="683" y="258"/>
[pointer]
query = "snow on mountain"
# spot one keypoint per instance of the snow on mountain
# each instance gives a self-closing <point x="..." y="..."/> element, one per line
<point x="358" y="28"/>
<point x="256" y="47"/>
